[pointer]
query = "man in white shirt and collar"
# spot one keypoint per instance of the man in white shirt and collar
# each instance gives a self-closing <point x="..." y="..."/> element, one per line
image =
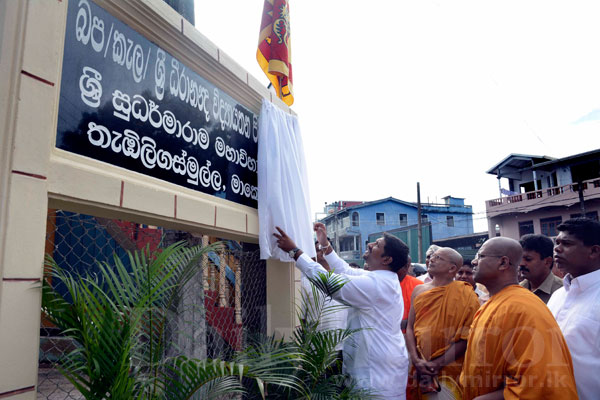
<point x="376" y="356"/>
<point x="576" y="306"/>
<point x="536" y="266"/>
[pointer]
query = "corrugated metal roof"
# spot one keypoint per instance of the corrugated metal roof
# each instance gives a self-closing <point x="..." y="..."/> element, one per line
<point x="515" y="162"/>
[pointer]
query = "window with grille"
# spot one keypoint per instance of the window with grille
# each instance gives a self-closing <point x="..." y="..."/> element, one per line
<point x="591" y="215"/>
<point x="549" y="225"/>
<point x="403" y="219"/>
<point x="355" y="219"/>
<point x="525" y="227"/>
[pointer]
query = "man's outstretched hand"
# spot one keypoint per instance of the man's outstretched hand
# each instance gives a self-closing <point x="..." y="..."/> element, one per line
<point x="284" y="242"/>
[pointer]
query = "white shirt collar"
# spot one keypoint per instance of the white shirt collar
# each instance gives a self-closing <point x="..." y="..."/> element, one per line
<point x="384" y="272"/>
<point x="582" y="282"/>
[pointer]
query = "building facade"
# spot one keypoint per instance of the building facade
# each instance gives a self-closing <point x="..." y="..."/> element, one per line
<point x="350" y="224"/>
<point x="543" y="192"/>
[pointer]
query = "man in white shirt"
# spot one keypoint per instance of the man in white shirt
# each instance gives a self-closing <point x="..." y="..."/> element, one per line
<point x="375" y="356"/>
<point x="576" y="306"/>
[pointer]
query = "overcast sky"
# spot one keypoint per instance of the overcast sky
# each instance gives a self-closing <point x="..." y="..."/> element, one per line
<point x="395" y="92"/>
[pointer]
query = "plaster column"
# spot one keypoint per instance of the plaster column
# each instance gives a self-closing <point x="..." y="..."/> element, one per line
<point x="283" y="288"/>
<point x="29" y="73"/>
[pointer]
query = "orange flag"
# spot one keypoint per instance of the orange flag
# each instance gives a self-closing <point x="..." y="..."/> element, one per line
<point x="274" y="54"/>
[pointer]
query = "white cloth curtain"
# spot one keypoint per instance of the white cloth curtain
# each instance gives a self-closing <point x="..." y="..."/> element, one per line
<point x="283" y="195"/>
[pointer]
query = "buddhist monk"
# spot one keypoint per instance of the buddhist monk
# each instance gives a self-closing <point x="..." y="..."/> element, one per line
<point x="439" y="320"/>
<point x="515" y="348"/>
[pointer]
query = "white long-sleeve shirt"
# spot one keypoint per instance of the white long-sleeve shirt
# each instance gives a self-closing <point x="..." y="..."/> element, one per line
<point x="576" y="308"/>
<point x="376" y="356"/>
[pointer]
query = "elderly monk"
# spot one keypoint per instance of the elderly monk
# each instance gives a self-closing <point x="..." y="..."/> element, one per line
<point x="439" y="320"/>
<point x="515" y="348"/>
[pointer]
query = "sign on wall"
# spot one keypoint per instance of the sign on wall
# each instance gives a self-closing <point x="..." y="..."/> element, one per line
<point x="127" y="102"/>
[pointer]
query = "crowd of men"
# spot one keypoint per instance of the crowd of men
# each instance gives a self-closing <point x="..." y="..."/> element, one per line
<point x="472" y="329"/>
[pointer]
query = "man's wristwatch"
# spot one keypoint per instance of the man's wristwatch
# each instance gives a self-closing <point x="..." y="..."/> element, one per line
<point x="292" y="253"/>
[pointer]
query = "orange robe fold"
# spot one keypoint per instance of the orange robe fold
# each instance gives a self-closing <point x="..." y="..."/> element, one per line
<point x="443" y="316"/>
<point x="408" y="284"/>
<point x="515" y="342"/>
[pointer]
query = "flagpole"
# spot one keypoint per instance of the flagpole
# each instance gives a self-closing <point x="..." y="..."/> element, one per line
<point x="280" y="94"/>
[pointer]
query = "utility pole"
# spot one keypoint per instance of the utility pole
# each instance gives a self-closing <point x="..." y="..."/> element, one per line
<point x="335" y="227"/>
<point x="419" y="235"/>
<point x="581" y="202"/>
<point x="499" y="184"/>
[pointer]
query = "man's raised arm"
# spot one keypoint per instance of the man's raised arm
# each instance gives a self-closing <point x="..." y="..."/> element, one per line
<point x="337" y="265"/>
<point x="358" y="291"/>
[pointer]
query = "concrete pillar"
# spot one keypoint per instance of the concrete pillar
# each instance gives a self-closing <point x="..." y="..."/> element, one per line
<point x="283" y="288"/>
<point x="27" y="99"/>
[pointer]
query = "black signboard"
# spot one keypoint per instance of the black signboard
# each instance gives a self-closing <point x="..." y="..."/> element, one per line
<point x="127" y="102"/>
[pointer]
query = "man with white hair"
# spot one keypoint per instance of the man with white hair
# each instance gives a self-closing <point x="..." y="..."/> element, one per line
<point x="426" y="277"/>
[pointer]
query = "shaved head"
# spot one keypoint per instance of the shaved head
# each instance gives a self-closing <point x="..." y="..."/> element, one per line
<point x="452" y="255"/>
<point x="497" y="262"/>
<point x="443" y="265"/>
<point x="506" y="247"/>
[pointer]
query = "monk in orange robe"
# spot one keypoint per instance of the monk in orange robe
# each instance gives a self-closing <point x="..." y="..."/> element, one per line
<point x="439" y="320"/>
<point x="407" y="284"/>
<point x="515" y="348"/>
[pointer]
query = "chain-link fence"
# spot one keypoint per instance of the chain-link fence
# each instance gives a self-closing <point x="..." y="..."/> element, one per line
<point x="222" y="306"/>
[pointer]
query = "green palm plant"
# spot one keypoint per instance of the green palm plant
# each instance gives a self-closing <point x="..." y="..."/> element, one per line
<point x="119" y="320"/>
<point x="314" y="368"/>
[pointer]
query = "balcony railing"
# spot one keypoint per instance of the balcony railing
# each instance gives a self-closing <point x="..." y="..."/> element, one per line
<point x="543" y="193"/>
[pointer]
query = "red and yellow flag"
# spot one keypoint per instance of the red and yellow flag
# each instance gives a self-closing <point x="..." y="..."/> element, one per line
<point x="274" y="54"/>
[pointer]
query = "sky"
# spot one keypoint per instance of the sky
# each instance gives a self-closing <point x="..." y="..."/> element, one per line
<point x="395" y="92"/>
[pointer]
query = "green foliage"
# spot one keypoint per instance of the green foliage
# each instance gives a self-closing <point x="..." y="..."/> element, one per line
<point x="119" y="321"/>
<point x="315" y="364"/>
